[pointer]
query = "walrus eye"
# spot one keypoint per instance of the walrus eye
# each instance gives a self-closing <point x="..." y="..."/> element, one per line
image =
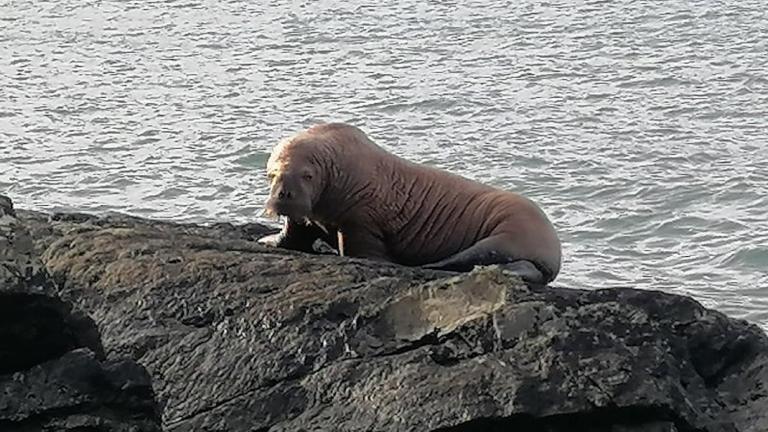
<point x="307" y="177"/>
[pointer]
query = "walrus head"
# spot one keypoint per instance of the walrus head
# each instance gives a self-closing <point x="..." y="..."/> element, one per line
<point x="302" y="166"/>
<point x="295" y="178"/>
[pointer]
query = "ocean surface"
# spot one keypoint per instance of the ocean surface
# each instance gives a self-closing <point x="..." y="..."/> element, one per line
<point x="641" y="127"/>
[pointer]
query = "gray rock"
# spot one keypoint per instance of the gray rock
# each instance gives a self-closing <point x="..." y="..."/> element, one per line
<point x="35" y="328"/>
<point x="6" y="206"/>
<point x="241" y="337"/>
<point x="20" y="266"/>
<point x="76" y="392"/>
<point x="53" y="372"/>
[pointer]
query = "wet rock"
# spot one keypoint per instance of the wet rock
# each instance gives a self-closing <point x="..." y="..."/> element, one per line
<point x="240" y="337"/>
<point x="6" y="206"/>
<point x="35" y="328"/>
<point x="20" y="266"/>
<point x="53" y="372"/>
<point x="76" y="392"/>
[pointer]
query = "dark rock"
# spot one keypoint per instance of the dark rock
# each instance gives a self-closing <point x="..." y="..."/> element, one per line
<point x="20" y="266"/>
<point x="239" y="337"/>
<point x="77" y="392"/>
<point x="35" y="328"/>
<point x="53" y="373"/>
<point x="6" y="206"/>
<point x="35" y="325"/>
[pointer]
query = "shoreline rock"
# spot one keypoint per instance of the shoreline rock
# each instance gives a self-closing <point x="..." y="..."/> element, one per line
<point x="239" y="337"/>
<point x="54" y="374"/>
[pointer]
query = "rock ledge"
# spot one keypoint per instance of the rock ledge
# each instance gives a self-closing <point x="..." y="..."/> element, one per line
<point x="240" y="337"/>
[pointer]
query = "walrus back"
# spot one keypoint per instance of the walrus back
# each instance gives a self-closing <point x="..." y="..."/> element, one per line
<point x="440" y="213"/>
<point x="445" y="213"/>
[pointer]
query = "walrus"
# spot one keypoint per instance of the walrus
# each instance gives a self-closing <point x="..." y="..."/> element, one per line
<point x="333" y="183"/>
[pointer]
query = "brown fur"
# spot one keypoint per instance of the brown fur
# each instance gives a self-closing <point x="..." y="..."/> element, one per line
<point x="385" y="207"/>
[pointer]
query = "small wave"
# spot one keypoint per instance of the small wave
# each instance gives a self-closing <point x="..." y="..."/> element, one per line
<point x="751" y="258"/>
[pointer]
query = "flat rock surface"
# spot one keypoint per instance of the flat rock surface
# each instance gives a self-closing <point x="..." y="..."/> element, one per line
<point x="240" y="337"/>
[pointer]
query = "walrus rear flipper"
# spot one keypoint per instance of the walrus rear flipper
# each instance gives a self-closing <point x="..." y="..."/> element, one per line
<point x="486" y="252"/>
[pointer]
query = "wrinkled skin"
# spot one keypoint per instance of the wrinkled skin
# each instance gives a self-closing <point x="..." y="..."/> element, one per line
<point x="333" y="177"/>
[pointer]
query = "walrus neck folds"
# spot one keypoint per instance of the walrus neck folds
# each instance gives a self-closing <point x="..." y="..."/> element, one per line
<point x="355" y="183"/>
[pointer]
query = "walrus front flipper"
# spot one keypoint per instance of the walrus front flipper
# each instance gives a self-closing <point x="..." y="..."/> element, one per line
<point x="489" y="251"/>
<point x="301" y="236"/>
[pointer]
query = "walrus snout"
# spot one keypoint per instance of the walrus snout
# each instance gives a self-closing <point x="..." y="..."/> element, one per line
<point x="290" y="194"/>
<point x="287" y="201"/>
<point x="278" y="205"/>
<point x="284" y="195"/>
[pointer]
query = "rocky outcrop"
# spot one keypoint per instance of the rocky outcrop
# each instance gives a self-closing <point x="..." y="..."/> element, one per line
<point x="53" y="372"/>
<point x="239" y="337"/>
